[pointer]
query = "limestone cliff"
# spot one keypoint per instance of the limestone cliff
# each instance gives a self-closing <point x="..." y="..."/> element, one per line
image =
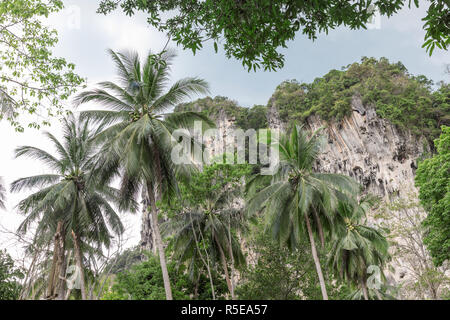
<point x="379" y="156"/>
<point x="383" y="159"/>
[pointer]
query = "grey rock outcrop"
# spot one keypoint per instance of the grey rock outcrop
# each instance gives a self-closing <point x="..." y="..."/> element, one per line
<point x="378" y="155"/>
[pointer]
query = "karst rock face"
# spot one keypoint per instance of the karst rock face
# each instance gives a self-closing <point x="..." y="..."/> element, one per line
<point x="223" y="139"/>
<point x="381" y="157"/>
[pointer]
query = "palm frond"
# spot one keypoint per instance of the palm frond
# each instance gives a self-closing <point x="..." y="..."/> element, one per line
<point x="180" y="90"/>
<point x="38" y="154"/>
<point x="38" y="181"/>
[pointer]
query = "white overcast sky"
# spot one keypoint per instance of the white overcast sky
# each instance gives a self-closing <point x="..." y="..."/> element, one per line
<point x="85" y="36"/>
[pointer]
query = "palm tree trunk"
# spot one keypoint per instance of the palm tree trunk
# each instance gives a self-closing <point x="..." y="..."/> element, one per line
<point x="225" y="267"/>
<point x="66" y="297"/>
<point x="51" y="277"/>
<point x="159" y="244"/>
<point x="147" y="242"/>
<point x="230" y="243"/>
<point x="61" y="281"/>
<point x="55" y="269"/>
<point x="364" y="289"/>
<point x="28" y="278"/>
<point x="319" y="228"/>
<point x="67" y="292"/>
<point x="316" y="259"/>
<point x="197" y="283"/>
<point x="206" y="263"/>
<point x="378" y="294"/>
<point x="79" y="258"/>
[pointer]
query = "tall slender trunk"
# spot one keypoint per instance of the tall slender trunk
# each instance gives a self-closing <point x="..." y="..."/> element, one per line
<point x="28" y="278"/>
<point x="51" y="277"/>
<point x="67" y="292"/>
<point x="56" y="265"/>
<point x="364" y="289"/>
<point x="316" y="259"/>
<point x="66" y="297"/>
<point x="197" y="283"/>
<point x="230" y="247"/>
<point x="79" y="258"/>
<point x="319" y="228"/>
<point x="206" y="263"/>
<point x="378" y="294"/>
<point x="62" y="264"/>
<point x="147" y="242"/>
<point x="225" y="267"/>
<point x="159" y="244"/>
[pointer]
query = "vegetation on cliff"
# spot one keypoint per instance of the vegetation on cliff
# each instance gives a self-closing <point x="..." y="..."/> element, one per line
<point x="213" y="108"/>
<point x="408" y="101"/>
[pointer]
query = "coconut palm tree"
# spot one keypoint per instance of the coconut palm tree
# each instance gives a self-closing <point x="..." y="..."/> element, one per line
<point x="358" y="246"/>
<point x="300" y="200"/>
<point x="137" y="144"/>
<point x="201" y="230"/>
<point x="208" y="217"/>
<point x="2" y="194"/>
<point x="69" y="203"/>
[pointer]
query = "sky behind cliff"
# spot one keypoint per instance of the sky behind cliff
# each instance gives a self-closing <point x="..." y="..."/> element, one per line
<point x="85" y="36"/>
<point x="399" y="39"/>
